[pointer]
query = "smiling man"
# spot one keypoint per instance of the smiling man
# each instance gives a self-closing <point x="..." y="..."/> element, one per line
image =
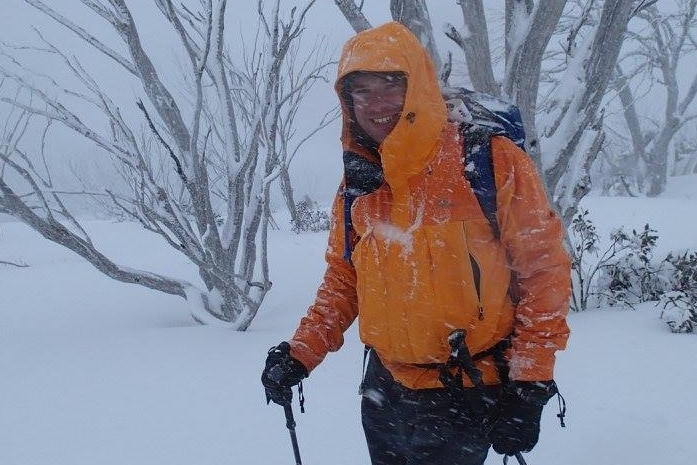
<point x="376" y="100"/>
<point x="416" y="261"/>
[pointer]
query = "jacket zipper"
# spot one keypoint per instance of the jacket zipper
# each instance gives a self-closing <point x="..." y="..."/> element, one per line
<point x="477" y="274"/>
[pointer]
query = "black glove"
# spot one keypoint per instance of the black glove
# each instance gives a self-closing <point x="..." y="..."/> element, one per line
<point x="517" y="428"/>
<point x="280" y="374"/>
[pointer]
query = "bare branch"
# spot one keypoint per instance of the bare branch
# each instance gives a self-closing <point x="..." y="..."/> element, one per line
<point x="353" y="15"/>
<point x="173" y="156"/>
<point x="18" y="265"/>
<point x="83" y="34"/>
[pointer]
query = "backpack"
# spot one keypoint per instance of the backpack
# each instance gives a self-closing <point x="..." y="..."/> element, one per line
<point x="481" y="116"/>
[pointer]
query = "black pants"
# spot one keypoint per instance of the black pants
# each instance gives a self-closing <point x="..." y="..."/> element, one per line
<point x="422" y="427"/>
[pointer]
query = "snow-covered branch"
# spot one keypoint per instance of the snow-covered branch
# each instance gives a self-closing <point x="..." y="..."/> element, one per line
<point x="353" y="15"/>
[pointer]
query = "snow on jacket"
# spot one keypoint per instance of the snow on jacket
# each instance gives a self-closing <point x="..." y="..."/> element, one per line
<point x="425" y="260"/>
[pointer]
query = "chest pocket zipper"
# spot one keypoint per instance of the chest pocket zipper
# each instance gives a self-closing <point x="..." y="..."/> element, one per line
<point x="477" y="275"/>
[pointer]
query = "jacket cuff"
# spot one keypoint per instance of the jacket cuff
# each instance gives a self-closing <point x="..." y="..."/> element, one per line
<point x="535" y="393"/>
<point x="532" y="364"/>
<point x="302" y="353"/>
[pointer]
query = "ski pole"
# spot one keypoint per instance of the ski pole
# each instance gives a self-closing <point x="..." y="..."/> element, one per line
<point x="518" y="456"/>
<point x="290" y="424"/>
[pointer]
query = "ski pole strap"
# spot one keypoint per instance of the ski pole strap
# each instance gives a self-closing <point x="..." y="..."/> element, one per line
<point x="348" y="225"/>
<point x="562" y="409"/>
<point x="518" y="457"/>
<point x="301" y="397"/>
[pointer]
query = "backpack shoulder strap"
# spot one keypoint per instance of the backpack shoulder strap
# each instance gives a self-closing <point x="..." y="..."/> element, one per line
<point x="479" y="169"/>
<point x="361" y="177"/>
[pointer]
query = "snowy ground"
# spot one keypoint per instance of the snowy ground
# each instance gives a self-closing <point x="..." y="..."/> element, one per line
<point x="97" y="372"/>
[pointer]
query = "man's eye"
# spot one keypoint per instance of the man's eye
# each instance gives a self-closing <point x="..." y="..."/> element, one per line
<point x="394" y="86"/>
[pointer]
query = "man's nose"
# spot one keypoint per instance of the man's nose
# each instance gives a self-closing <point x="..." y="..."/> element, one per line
<point x="382" y="99"/>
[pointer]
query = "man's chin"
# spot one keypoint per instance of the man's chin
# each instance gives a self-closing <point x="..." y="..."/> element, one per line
<point x="380" y="135"/>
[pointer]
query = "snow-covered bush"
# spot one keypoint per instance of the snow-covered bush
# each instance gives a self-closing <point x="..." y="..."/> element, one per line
<point x="626" y="274"/>
<point x="680" y="304"/>
<point x="632" y="276"/>
<point x="584" y="242"/>
<point x="623" y="274"/>
<point x="311" y="218"/>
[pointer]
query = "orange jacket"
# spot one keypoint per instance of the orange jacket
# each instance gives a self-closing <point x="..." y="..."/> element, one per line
<point x="423" y="239"/>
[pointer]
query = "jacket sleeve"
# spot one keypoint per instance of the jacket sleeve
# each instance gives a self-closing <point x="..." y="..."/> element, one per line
<point x="534" y="237"/>
<point x="335" y="307"/>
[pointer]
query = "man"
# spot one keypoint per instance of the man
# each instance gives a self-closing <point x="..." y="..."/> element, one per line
<point x="457" y="359"/>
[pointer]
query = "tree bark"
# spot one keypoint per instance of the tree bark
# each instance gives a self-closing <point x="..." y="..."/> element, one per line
<point x="353" y="15"/>
<point x="578" y="116"/>
<point x="475" y="45"/>
<point x="524" y="61"/>
<point x="414" y="15"/>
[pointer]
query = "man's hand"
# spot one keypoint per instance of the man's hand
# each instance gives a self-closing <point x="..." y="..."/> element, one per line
<point x="518" y="426"/>
<point x="280" y="374"/>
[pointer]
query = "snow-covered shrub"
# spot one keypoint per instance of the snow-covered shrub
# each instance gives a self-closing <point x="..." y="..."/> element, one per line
<point x="632" y="277"/>
<point x="678" y="312"/>
<point x="310" y="217"/>
<point x="626" y="274"/>
<point x="680" y="304"/>
<point x="584" y="238"/>
<point x="623" y="274"/>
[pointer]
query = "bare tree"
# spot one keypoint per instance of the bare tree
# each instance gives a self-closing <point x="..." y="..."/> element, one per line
<point x="224" y="138"/>
<point x="660" y="47"/>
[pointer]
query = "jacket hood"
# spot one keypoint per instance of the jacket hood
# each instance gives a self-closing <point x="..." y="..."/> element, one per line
<point x="411" y="144"/>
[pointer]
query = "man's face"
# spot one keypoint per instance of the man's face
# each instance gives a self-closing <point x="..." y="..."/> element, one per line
<point x="378" y="99"/>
